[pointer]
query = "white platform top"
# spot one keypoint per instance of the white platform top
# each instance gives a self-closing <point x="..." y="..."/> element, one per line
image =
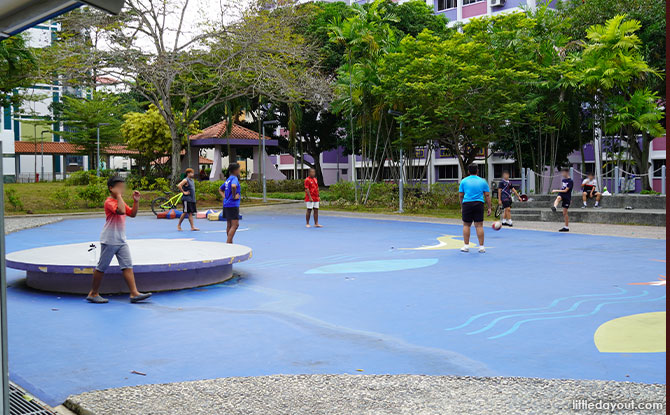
<point x="148" y="255"/>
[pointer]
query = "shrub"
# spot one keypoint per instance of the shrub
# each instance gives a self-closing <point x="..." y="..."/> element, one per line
<point x="161" y="184"/>
<point x="14" y="199"/>
<point x="385" y="196"/>
<point x="65" y="198"/>
<point x="209" y="188"/>
<point x="649" y="192"/>
<point x="280" y="186"/>
<point x="81" y="178"/>
<point x="94" y="194"/>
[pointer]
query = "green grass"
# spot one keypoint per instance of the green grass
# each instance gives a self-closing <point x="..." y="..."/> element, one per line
<point x="56" y="197"/>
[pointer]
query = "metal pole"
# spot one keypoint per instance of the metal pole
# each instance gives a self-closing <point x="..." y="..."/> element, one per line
<point x="523" y="181"/>
<point x="401" y="190"/>
<point x="616" y="180"/>
<point x="265" y="198"/>
<point x="572" y="177"/>
<point x="97" y="165"/>
<point x="662" y="179"/>
<point x="4" y="376"/>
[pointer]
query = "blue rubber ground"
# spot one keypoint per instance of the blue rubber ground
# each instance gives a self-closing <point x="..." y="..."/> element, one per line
<point x="528" y="307"/>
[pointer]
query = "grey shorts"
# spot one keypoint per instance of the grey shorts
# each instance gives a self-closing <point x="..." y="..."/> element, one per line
<point x="107" y="252"/>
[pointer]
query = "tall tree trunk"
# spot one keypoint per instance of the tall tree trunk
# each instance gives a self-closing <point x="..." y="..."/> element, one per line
<point x="176" y="156"/>
<point x="317" y="167"/>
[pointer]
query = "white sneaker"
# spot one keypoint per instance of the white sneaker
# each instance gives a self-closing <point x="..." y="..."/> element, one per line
<point x="482" y="250"/>
<point x="465" y="248"/>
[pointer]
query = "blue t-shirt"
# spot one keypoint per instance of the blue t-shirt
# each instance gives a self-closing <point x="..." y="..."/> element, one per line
<point x="473" y="188"/>
<point x="567" y="184"/>
<point x="227" y="187"/>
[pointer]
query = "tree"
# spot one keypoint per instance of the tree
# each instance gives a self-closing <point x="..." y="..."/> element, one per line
<point x="18" y="69"/>
<point x="318" y="131"/>
<point x="83" y="116"/>
<point x="650" y="13"/>
<point x="613" y="71"/>
<point x="147" y="133"/>
<point x="150" y="48"/>
<point x="450" y="90"/>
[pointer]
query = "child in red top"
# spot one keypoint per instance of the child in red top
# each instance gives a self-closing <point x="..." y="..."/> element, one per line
<point x="113" y="242"/>
<point x="312" y="198"/>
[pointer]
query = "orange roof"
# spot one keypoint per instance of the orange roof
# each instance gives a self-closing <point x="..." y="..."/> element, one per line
<point x="51" y="147"/>
<point x="217" y="131"/>
<point x="164" y="160"/>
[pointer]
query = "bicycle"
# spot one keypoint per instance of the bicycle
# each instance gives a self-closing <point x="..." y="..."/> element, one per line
<point x="163" y="203"/>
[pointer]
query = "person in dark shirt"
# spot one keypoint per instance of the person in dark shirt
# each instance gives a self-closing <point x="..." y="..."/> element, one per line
<point x="564" y="197"/>
<point x="505" y="190"/>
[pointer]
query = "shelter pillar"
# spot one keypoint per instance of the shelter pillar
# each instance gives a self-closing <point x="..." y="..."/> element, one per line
<point x="216" y="173"/>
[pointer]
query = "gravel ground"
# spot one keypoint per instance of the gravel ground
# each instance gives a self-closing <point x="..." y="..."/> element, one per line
<point x="369" y="394"/>
<point x="27" y="222"/>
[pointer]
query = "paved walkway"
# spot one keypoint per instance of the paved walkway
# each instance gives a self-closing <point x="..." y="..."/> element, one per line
<point x="371" y="394"/>
<point x="629" y="231"/>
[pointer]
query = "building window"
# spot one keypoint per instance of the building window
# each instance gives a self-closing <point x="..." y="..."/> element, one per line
<point x="344" y="172"/>
<point x="447" y="172"/>
<point x="657" y="167"/>
<point x="512" y="168"/>
<point x="446" y="4"/>
<point x="466" y="2"/>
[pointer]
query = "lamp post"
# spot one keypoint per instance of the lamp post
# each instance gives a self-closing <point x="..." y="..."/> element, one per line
<point x="42" y="155"/>
<point x="401" y="190"/>
<point x="272" y="122"/>
<point x="97" y="167"/>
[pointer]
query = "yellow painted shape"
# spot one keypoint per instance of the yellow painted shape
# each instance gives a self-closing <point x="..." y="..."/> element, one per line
<point x="637" y="333"/>
<point x="43" y="269"/>
<point x="83" y="270"/>
<point x="445" y="242"/>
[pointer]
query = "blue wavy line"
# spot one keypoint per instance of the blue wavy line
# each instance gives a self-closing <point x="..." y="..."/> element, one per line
<point x="572" y="308"/>
<point x="598" y="307"/>
<point x="553" y="303"/>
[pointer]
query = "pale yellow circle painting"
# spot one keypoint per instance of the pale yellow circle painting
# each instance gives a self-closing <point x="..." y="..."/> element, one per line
<point x="637" y="333"/>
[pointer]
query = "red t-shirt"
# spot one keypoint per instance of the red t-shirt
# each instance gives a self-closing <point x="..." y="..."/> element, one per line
<point x="312" y="186"/>
<point x="114" y="231"/>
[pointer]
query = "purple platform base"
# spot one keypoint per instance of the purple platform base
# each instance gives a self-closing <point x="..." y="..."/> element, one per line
<point x="113" y="283"/>
<point x="158" y="265"/>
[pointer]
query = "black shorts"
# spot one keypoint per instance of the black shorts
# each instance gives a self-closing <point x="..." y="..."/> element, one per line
<point x="189" y="207"/>
<point x="231" y="213"/>
<point x="472" y="212"/>
<point x="588" y="194"/>
<point x="506" y="203"/>
<point x="565" y="203"/>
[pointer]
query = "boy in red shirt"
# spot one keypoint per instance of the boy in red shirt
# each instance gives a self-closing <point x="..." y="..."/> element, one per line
<point x="113" y="242"/>
<point x="312" y="198"/>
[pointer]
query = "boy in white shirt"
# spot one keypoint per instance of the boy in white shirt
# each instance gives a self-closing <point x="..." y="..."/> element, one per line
<point x="590" y="190"/>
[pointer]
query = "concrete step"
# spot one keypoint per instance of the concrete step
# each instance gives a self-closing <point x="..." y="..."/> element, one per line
<point x="651" y="217"/>
<point x="614" y="201"/>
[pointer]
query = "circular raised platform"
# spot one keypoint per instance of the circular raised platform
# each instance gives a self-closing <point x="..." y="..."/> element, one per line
<point x="158" y="264"/>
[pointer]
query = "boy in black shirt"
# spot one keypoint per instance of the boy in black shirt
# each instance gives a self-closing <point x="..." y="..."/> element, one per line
<point x="505" y="190"/>
<point x="564" y="197"/>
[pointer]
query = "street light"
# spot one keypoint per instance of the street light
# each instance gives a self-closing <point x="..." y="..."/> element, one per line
<point x="97" y="168"/>
<point x="42" y="155"/>
<point x="402" y="167"/>
<point x="272" y="122"/>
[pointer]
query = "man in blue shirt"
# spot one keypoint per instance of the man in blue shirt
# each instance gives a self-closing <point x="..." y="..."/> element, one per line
<point x="564" y="197"/>
<point x="473" y="191"/>
<point x="230" y="191"/>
